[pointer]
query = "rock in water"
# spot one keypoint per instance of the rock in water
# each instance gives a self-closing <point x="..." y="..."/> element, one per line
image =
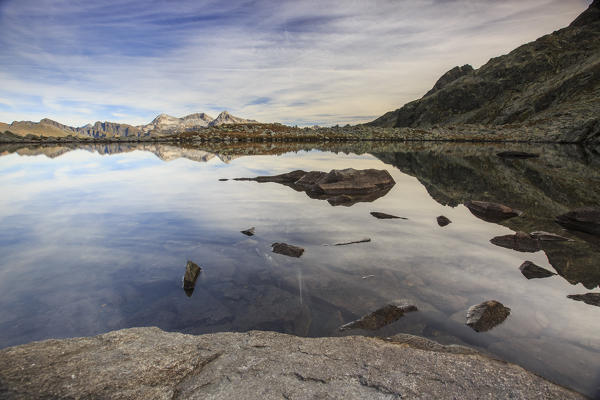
<point x="379" y="318"/>
<point x="365" y="240"/>
<point x="520" y="241"/>
<point x="192" y="271"/>
<point x="487" y="315"/>
<point x="549" y="237"/>
<point x="380" y="215"/>
<point x="516" y="154"/>
<point x="491" y="212"/>
<point x="592" y="299"/>
<point x="287" y="249"/>
<point x="532" y="271"/>
<point x="583" y="219"/>
<point x="249" y="232"/>
<point x="443" y="221"/>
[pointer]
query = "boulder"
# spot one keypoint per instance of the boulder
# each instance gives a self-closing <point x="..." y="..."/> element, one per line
<point x="516" y="154"/>
<point x="532" y="271"/>
<point x="192" y="271"/>
<point x="287" y="249"/>
<point x="520" y="241"/>
<point x="592" y="299"/>
<point x="485" y="316"/>
<point x="380" y="215"/>
<point x="379" y="318"/>
<point x="583" y="219"/>
<point x="443" y="221"/>
<point x="491" y="212"/>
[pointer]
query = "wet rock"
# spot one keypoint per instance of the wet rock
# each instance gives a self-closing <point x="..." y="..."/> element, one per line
<point x="491" y="212"/>
<point x="148" y="363"/>
<point x="532" y="271"/>
<point x="365" y="240"/>
<point x="592" y="299"/>
<point x="486" y="315"/>
<point x="379" y="318"/>
<point x="249" y="232"/>
<point x="520" y="241"/>
<point x="516" y="154"/>
<point x="583" y="219"/>
<point x="443" y="221"/>
<point x="380" y="215"/>
<point x="549" y="237"/>
<point x="287" y="249"/>
<point x="192" y="271"/>
<point x="339" y="187"/>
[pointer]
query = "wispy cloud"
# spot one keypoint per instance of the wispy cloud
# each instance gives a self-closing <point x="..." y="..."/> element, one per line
<point x="287" y="61"/>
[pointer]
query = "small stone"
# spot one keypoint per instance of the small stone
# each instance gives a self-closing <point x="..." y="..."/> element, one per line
<point x="287" y="249"/>
<point x="249" y="232"/>
<point x="485" y="316"/>
<point x="532" y="271"/>
<point x="380" y="215"/>
<point x="443" y="221"/>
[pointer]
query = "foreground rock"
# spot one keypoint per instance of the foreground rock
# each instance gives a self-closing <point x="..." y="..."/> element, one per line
<point x="491" y="212"/>
<point x="339" y="187"/>
<point x="584" y="219"/>
<point x="287" y="249"/>
<point x="192" y="271"/>
<point x="443" y="221"/>
<point x="520" y="241"/>
<point x="148" y="363"/>
<point x="487" y="315"/>
<point x="379" y="318"/>
<point x="380" y="215"/>
<point x="592" y="299"/>
<point x="532" y="271"/>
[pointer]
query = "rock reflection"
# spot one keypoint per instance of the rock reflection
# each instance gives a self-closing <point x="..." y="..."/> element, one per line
<point x="192" y="271"/>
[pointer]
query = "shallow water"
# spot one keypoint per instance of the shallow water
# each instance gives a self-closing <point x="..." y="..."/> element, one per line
<point x="97" y="239"/>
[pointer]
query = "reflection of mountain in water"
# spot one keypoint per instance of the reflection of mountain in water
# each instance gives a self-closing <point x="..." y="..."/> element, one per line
<point x="562" y="178"/>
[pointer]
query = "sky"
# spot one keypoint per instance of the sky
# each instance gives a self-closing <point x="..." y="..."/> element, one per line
<point x="299" y="62"/>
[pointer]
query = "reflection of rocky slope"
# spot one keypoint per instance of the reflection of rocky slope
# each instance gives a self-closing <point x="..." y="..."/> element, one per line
<point x="553" y="81"/>
<point x="562" y="178"/>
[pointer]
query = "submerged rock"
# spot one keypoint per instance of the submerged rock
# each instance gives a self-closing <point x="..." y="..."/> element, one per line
<point x="549" y="237"/>
<point x="532" y="271"/>
<point x="287" y="249"/>
<point x="516" y="154"/>
<point x="339" y="187"/>
<point x="380" y="215"/>
<point x="249" y="232"/>
<point x="192" y="271"/>
<point x="379" y="318"/>
<point x="592" y="299"/>
<point x="583" y="219"/>
<point x="148" y="363"/>
<point x="443" y="221"/>
<point x="487" y="315"/>
<point x="520" y="241"/>
<point x="491" y="212"/>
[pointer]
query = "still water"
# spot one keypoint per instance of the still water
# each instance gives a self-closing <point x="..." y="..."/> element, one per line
<point x="97" y="239"/>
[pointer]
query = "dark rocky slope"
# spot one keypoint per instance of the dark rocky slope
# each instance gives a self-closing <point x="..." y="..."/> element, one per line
<point x="553" y="82"/>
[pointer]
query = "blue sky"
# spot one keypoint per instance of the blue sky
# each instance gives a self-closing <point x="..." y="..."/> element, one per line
<point x="297" y="62"/>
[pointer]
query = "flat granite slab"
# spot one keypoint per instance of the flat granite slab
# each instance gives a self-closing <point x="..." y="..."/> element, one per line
<point x="148" y="363"/>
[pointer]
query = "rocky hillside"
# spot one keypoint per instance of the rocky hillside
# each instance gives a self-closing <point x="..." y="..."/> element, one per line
<point x="227" y="119"/>
<point x="553" y="81"/>
<point x="168" y="124"/>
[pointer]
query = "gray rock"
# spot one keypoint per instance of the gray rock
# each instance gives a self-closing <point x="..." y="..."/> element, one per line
<point x="583" y="219"/>
<point x="491" y="212"/>
<point x="379" y="318"/>
<point x="148" y="363"/>
<point x="532" y="271"/>
<point x="380" y="215"/>
<point x="520" y="241"/>
<point x="287" y="249"/>
<point x="443" y="221"/>
<point x="592" y="299"/>
<point x="483" y="317"/>
<point x="192" y="271"/>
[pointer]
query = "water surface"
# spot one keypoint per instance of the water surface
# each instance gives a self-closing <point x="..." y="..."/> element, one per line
<point x="96" y="239"/>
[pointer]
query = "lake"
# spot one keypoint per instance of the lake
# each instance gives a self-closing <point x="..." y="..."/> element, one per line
<point x="97" y="238"/>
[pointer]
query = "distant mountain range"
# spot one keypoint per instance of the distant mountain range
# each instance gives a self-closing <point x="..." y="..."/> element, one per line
<point x="553" y="82"/>
<point x="161" y="125"/>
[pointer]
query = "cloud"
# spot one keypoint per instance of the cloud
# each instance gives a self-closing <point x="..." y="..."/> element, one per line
<point x="139" y="58"/>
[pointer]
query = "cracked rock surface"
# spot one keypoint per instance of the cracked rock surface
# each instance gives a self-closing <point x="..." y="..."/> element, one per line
<point x="148" y="363"/>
